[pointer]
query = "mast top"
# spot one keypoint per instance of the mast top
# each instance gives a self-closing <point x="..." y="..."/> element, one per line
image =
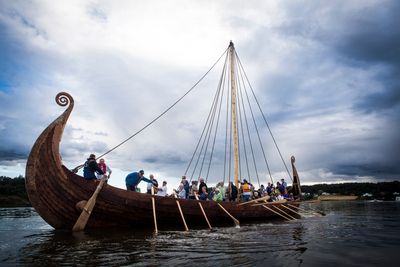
<point x="231" y="44"/>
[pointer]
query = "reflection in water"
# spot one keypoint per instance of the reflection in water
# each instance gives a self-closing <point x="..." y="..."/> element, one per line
<point x="309" y="241"/>
<point x="248" y="246"/>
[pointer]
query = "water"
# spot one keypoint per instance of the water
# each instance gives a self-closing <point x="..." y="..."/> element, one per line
<point x="351" y="234"/>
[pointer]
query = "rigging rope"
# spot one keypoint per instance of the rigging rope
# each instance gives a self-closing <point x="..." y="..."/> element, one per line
<point x="257" y="131"/>
<point x="226" y="135"/>
<point x="210" y="129"/>
<point x="242" y="132"/>
<point x="248" y="130"/>
<point x="266" y="122"/>
<point x="159" y="116"/>
<point x="216" y="128"/>
<point x="202" y="133"/>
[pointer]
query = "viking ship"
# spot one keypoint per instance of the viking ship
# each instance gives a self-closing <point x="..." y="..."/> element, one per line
<point x="60" y="195"/>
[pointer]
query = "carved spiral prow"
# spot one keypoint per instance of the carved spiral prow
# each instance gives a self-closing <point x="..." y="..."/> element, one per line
<point x="63" y="99"/>
<point x="293" y="159"/>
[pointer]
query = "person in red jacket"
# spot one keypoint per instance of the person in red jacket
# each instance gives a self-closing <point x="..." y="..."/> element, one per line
<point x="104" y="167"/>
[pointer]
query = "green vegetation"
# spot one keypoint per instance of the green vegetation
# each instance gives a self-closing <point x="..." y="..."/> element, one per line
<point x="382" y="190"/>
<point x="12" y="192"/>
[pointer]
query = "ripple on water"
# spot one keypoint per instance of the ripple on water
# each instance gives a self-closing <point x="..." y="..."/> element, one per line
<point x="310" y="241"/>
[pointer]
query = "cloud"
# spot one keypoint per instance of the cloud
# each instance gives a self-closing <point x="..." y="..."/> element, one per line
<point x="325" y="75"/>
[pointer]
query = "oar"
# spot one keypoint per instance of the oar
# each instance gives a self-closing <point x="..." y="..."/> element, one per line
<point x="154" y="210"/>
<point x="287" y="214"/>
<point x="304" y="210"/>
<point x="292" y="210"/>
<point x="255" y="200"/>
<point x="180" y="210"/>
<point x="268" y="208"/>
<point x="233" y="218"/>
<point x="317" y="211"/>
<point x="87" y="210"/>
<point x="204" y="213"/>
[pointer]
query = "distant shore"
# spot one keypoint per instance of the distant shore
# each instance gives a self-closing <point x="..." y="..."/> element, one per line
<point x="13" y="192"/>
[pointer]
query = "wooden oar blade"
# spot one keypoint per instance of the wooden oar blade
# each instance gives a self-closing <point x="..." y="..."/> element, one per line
<point x="80" y="224"/>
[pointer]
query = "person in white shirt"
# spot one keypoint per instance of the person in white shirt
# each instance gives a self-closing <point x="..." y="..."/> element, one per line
<point x="153" y="183"/>
<point x="162" y="191"/>
<point x="181" y="191"/>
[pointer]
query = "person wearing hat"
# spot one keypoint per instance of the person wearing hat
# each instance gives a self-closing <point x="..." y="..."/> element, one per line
<point x="90" y="168"/>
<point x="133" y="179"/>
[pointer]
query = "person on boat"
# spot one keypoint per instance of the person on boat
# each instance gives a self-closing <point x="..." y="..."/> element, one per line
<point x="218" y="195"/>
<point x="185" y="185"/>
<point x="193" y="190"/>
<point x="204" y="194"/>
<point x="221" y="189"/>
<point x="261" y="191"/>
<point x="285" y="194"/>
<point x="181" y="192"/>
<point x="133" y="179"/>
<point x="283" y="183"/>
<point x="280" y="187"/>
<point x="162" y="191"/>
<point x="246" y="190"/>
<point x="202" y="184"/>
<point x="154" y="183"/>
<point x="104" y="167"/>
<point x="90" y="168"/>
<point x="269" y="189"/>
<point x="279" y="197"/>
<point x="233" y="192"/>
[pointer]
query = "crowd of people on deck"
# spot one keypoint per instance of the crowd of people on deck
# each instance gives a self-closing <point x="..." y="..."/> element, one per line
<point x="196" y="190"/>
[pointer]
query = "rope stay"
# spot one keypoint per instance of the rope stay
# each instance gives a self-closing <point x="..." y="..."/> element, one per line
<point x="257" y="131"/>
<point x="204" y="128"/>
<point x="265" y="120"/>
<point x="211" y="127"/>
<point x="159" y="116"/>
<point x="203" y="154"/>
<point x="248" y="132"/>
<point x="244" y="99"/>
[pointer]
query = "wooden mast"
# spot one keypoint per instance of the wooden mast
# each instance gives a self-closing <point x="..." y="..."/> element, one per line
<point x="233" y="115"/>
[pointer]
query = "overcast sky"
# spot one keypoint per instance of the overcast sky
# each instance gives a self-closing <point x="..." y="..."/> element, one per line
<point x="326" y="74"/>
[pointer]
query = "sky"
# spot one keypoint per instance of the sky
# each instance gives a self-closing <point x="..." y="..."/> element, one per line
<point x="325" y="73"/>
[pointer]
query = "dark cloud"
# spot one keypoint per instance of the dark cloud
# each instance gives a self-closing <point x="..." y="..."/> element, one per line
<point x="383" y="100"/>
<point x="372" y="35"/>
<point x="8" y="155"/>
<point x="380" y="171"/>
<point x="165" y="158"/>
<point x="327" y="81"/>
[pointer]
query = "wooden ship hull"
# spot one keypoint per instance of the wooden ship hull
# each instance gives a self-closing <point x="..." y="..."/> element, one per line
<point x="55" y="191"/>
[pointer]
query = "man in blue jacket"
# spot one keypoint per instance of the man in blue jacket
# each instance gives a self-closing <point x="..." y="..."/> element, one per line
<point x="134" y="178"/>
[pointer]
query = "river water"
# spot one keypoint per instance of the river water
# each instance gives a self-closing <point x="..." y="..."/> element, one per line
<point x="351" y="234"/>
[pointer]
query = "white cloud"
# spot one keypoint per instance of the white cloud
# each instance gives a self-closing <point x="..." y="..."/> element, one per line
<point x="125" y="62"/>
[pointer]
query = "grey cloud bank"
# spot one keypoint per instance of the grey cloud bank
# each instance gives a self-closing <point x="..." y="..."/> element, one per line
<point x="326" y="75"/>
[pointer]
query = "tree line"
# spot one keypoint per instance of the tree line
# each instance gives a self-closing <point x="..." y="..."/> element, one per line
<point x="381" y="190"/>
<point x="13" y="192"/>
